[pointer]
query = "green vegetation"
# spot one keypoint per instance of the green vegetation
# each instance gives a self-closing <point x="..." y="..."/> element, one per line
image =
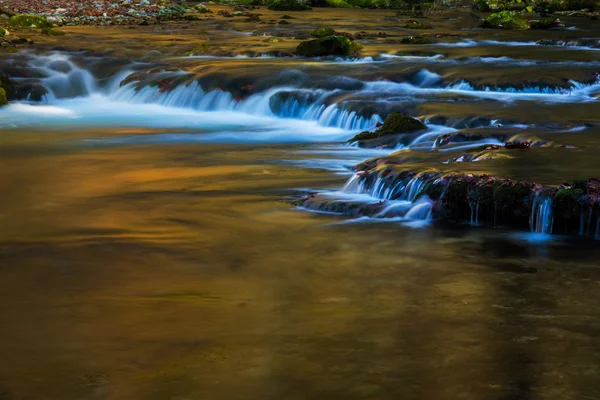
<point x="326" y="46"/>
<point x="506" y="20"/>
<point x="52" y="32"/>
<point x="287" y="5"/>
<point x="29" y="21"/>
<point x="3" y="32"/>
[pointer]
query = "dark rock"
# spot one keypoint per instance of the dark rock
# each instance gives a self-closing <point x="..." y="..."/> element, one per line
<point x="546" y="23"/>
<point x="416" y="40"/>
<point x="329" y="45"/>
<point x="395" y="123"/>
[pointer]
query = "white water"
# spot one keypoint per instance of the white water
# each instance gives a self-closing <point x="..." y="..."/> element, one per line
<point x="476" y="43"/>
<point x="541" y="219"/>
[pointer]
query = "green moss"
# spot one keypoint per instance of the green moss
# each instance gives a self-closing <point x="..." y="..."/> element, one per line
<point x="366" y="135"/>
<point x="3" y="32"/>
<point x="52" y="32"/>
<point x="568" y="194"/>
<point x="322" y="32"/>
<point x="329" y="45"/>
<point x="506" y="20"/>
<point x="190" y="17"/>
<point x="29" y="21"/>
<point x="287" y="5"/>
<point x="3" y="99"/>
<point x="412" y="24"/>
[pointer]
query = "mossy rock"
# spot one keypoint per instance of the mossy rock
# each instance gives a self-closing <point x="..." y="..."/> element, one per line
<point x="190" y="17"/>
<point x="3" y="32"/>
<point x="52" y="32"/>
<point x="326" y="46"/>
<point x="506" y="20"/>
<point x="3" y="99"/>
<point x="288" y="5"/>
<point x="322" y="32"/>
<point x="412" y="24"/>
<point x="29" y="21"/>
<point x="394" y="123"/>
<point x="400" y="123"/>
<point x="416" y="40"/>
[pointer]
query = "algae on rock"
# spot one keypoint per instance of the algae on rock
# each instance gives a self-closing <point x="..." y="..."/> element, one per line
<point x="29" y="21"/>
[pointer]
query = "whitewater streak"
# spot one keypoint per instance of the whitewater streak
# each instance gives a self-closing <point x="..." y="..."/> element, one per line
<point x="73" y="92"/>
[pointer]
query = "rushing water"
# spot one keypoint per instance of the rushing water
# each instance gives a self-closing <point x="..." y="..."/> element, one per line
<point x="148" y="249"/>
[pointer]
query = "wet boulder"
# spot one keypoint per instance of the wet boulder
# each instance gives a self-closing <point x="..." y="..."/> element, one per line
<point x="546" y="23"/>
<point x="396" y="123"/>
<point x="52" y="32"/>
<point x="288" y="5"/>
<point x="327" y="46"/>
<point x="29" y="21"/>
<point x="506" y="20"/>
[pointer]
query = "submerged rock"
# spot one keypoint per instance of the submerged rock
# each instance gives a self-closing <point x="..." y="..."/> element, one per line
<point x="395" y="123"/>
<point x="506" y="20"/>
<point x="546" y="23"/>
<point x="328" y="45"/>
<point x="416" y="40"/>
<point x="52" y="32"/>
<point x="29" y="21"/>
<point x="413" y="24"/>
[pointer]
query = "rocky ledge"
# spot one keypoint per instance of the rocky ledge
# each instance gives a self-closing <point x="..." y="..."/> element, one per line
<point x="570" y="208"/>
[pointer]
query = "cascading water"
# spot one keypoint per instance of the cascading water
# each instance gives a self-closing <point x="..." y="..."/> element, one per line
<point x="541" y="219"/>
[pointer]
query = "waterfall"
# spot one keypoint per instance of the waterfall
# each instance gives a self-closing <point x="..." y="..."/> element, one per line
<point x="541" y="218"/>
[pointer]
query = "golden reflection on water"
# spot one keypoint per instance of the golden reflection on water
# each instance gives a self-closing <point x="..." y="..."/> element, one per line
<point x="175" y="272"/>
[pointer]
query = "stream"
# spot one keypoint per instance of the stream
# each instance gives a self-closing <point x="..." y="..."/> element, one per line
<point x="151" y="246"/>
